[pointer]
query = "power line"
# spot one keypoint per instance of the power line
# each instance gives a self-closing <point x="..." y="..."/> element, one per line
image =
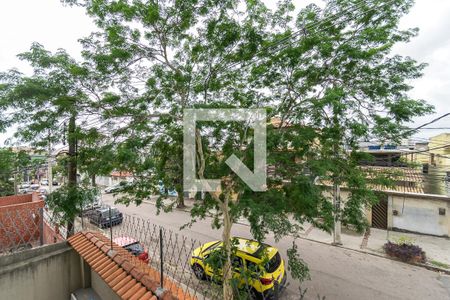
<point x="306" y="28"/>
<point x="428" y="123"/>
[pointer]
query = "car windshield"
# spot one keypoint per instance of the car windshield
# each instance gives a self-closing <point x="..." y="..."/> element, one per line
<point x="135" y="248"/>
<point x="273" y="263"/>
<point x="114" y="212"/>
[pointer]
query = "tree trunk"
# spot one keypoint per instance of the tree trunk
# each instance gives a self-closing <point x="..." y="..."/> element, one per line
<point x="72" y="165"/>
<point x="180" y="199"/>
<point x="227" y="223"/>
<point x="226" y="239"/>
<point x="93" y="180"/>
<point x="72" y="141"/>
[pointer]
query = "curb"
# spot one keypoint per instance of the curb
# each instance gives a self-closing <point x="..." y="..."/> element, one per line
<point x="428" y="267"/>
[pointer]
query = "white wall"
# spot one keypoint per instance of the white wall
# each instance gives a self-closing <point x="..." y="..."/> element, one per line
<point x="421" y="215"/>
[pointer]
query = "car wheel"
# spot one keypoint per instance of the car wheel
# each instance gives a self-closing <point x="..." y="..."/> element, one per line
<point x="198" y="271"/>
<point x="255" y="295"/>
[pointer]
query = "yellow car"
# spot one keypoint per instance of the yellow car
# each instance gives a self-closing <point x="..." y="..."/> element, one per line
<point x="262" y="265"/>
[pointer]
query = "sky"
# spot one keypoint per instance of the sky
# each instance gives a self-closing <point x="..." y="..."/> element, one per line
<point x="54" y="25"/>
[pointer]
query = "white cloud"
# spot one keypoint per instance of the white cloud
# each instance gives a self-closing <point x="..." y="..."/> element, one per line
<point x="432" y="46"/>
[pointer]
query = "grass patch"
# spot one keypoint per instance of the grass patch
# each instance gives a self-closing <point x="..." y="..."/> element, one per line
<point x="439" y="264"/>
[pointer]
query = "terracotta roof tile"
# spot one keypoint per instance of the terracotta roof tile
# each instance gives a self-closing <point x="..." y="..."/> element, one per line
<point x="127" y="266"/>
<point x="137" y="294"/>
<point x="129" y="290"/>
<point x="109" y="271"/>
<point x="148" y="296"/>
<point x="128" y="276"/>
<point x="129" y="285"/>
<point x="122" y="283"/>
<point x="117" y="279"/>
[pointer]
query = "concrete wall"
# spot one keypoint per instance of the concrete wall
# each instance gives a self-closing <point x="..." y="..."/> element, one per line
<point x="101" y="288"/>
<point x="413" y="212"/>
<point x="44" y="273"/>
<point x="420" y="215"/>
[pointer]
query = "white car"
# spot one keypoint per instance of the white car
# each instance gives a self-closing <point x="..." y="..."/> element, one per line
<point x="44" y="182"/>
<point x="35" y="186"/>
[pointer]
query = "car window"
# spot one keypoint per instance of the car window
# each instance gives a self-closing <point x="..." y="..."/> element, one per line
<point x="237" y="263"/>
<point x="273" y="263"/>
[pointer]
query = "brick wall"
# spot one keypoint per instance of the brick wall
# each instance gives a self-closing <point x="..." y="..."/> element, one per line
<point x="19" y="221"/>
<point x="16" y="199"/>
<point x="51" y="234"/>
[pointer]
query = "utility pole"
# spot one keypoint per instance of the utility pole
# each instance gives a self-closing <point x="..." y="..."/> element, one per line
<point x="15" y="181"/>
<point x="49" y="166"/>
<point x="72" y="165"/>
<point x="337" y="221"/>
<point x="336" y="182"/>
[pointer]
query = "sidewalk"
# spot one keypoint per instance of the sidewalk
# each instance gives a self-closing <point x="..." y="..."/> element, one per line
<point x="437" y="249"/>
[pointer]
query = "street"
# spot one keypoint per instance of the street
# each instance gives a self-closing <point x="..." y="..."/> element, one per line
<point x="336" y="273"/>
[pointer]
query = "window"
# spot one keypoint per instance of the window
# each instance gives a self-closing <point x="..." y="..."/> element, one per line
<point x="237" y="263"/>
<point x="273" y="263"/>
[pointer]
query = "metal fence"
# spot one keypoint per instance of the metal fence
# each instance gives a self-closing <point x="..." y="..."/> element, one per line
<point x="168" y="252"/>
<point x="21" y="228"/>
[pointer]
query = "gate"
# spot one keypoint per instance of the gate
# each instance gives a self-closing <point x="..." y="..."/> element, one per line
<point x="379" y="214"/>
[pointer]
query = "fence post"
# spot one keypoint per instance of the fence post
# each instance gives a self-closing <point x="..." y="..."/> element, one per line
<point x="110" y="227"/>
<point x="81" y="214"/>
<point x="41" y="225"/>
<point x="161" y="253"/>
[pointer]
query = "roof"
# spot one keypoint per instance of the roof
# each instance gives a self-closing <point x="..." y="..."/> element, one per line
<point x="121" y="174"/>
<point x="127" y="275"/>
<point x="406" y="180"/>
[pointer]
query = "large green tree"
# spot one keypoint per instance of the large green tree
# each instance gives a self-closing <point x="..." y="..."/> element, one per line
<point x="57" y="105"/>
<point x="12" y="166"/>
<point x="326" y="72"/>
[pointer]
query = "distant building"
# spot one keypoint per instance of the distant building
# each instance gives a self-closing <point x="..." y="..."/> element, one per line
<point x="407" y="205"/>
<point x="386" y="155"/>
<point x="420" y="154"/>
<point x="439" y="149"/>
<point x="115" y="177"/>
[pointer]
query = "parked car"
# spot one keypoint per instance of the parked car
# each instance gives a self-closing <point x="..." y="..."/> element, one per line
<point x="262" y="261"/>
<point x="35" y="186"/>
<point x="133" y="246"/>
<point x="117" y="187"/>
<point x="43" y="191"/>
<point x="44" y="182"/>
<point x="94" y="204"/>
<point x="24" y="186"/>
<point x="100" y="217"/>
<point x="55" y="183"/>
<point x="165" y="191"/>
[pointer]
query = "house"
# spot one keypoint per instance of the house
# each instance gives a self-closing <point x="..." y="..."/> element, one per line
<point x="406" y="206"/>
<point x="439" y="148"/>
<point x="115" y="177"/>
<point x="421" y="155"/>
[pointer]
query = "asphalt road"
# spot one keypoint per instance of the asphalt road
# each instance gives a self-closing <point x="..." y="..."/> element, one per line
<point x="336" y="273"/>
